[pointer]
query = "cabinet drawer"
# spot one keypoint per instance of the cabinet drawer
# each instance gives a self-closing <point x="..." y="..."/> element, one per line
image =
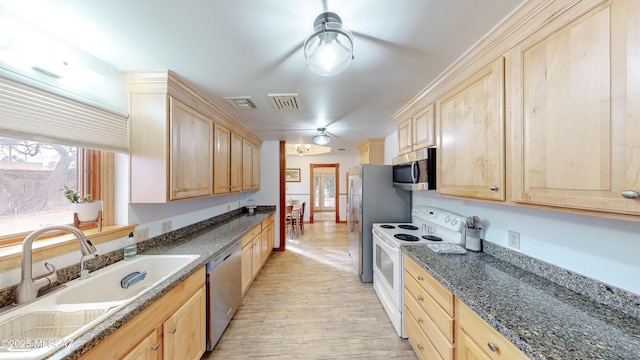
<point x="442" y="342"/>
<point x="438" y="292"/>
<point x="423" y="348"/>
<point x="268" y="220"/>
<point x="249" y="235"/>
<point x="483" y="334"/>
<point x="440" y="318"/>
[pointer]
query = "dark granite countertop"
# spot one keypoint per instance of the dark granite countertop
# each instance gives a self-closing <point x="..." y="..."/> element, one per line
<point x="208" y="241"/>
<point x="542" y="318"/>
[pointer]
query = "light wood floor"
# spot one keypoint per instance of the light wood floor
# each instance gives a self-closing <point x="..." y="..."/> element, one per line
<point x="307" y="303"/>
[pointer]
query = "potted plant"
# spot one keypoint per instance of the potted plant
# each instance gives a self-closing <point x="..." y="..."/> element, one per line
<point x="86" y="209"/>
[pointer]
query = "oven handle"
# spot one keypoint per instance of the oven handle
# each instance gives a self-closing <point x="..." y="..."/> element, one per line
<point x="386" y="243"/>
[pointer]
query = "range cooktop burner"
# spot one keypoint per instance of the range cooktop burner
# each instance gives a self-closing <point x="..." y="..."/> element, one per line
<point x="432" y="237"/>
<point x="406" y="237"/>
<point x="408" y="227"/>
<point x="387" y="226"/>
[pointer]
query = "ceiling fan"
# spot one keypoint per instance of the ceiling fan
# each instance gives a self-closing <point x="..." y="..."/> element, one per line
<point x="331" y="18"/>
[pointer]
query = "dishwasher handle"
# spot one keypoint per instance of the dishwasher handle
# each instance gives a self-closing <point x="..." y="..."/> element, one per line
<point x="221" y="258"/>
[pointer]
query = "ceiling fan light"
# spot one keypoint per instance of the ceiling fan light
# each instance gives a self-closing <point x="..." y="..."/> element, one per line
<point x="329" y="50"/>
<point x="321" y="138"/>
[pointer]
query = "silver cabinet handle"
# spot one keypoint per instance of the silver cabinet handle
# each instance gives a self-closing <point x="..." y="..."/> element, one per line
<point x="173" y="330"/>
<point x="176" y="190"/>
<point x="630" y="194"/>
<point x="155" y="346"/>
<point x="493" y="188"/>
<point x="420" y="347"/>
<point x="420" y="298"/>
<point x="493" y="347"/>
<point x="420" y="277"/>
<point x="420" y="320"/>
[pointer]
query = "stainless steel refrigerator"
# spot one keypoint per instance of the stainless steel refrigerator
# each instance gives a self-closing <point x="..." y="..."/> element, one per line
<point x="372" y="199"/>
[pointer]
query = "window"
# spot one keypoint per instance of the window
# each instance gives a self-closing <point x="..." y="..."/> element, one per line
<point x="31" y="176"/>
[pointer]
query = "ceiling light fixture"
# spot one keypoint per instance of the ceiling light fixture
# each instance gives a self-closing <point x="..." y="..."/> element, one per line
<point x="303" y="148"/>
<point x="321" y="138"/>
<point x="329" y="50"/>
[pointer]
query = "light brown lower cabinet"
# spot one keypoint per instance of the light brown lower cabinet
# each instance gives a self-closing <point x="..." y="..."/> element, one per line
<point x="440" y="326"/>
<point x="476" y="339"/>
<point x="173" y="327"/>
<point x="257" y="245"/>
<point x="428" y="314"/>
<point x="147" y="349"/>
<point x="250" y="247"/>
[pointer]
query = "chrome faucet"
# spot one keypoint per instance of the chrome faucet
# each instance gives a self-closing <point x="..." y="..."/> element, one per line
<point x="28" y="288"/>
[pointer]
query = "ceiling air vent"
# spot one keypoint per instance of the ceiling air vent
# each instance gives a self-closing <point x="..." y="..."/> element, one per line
<point x="242" y="102"/>
<point x="285" y="102"/>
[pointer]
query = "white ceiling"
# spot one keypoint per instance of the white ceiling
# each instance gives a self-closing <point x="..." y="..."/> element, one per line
<point x="254" y="48"/>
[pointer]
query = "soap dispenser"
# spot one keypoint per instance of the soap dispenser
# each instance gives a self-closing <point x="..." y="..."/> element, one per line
<point x="130" y="247"/>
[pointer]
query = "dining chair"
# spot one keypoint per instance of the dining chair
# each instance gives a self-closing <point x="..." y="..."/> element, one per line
<point x="289" y="220"/>
<point x="301" y="220"/>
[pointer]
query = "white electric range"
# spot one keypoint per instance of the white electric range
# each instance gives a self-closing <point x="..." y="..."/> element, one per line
<point x="429" y="226"/>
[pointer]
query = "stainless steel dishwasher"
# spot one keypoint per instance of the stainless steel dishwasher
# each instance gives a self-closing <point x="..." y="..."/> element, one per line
<point x="224" y="292"/>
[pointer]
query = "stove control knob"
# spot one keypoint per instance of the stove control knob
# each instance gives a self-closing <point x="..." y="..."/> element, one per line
<point x="447" y="219"/>
<point x="454" y="221"/>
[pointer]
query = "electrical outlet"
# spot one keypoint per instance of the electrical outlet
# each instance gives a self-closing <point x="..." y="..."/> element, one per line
<point x="165" y="226"/>
<point x="514" y="239"/>
<point x="141" y="235"/>
<point x="228" y="207"/>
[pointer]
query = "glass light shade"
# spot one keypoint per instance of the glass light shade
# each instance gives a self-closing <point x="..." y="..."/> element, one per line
<point x="321" y="138"/>
<point x="329" y="50"/>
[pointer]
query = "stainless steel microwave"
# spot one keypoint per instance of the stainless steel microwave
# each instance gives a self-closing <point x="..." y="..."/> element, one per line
<point x="416" y="170"/>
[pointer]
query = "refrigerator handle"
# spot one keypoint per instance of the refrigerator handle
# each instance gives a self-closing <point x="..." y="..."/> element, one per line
<point x="350" y="219"/>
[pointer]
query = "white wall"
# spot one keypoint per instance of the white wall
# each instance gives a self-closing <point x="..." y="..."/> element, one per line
<point x="603" y="249"/>
<point x="300" y="190"/>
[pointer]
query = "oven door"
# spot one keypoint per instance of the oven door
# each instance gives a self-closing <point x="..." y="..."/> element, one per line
<point x="387" y="277"/>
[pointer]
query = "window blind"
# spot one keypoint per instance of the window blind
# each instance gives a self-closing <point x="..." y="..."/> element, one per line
<point x="27" y="112"/>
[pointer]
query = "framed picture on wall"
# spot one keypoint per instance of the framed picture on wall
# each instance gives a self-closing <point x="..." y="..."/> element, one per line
<point x="292" y="175"/>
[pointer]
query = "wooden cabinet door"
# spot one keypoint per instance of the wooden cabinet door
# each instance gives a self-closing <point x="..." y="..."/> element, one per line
<point x="405" y="137"/>
<point x="184" y="333"/>
<point x="424" y="128"/>
<point x="236" y="163"/>
<point x="221" y="160"/>
<point x="247" y="165"/>
<point x="148" y="349"/>
<point x="363" y="156"/>
<point x="469" y="349"/>
<point x="246" y="273"/>
<point x="576" y="105"/>
<point x="267" y="242"/>
<point x="191" y="153"/>
<point x="255" y="168"/>
<point x="257" y="255"/>
<point x="471" y="156"/>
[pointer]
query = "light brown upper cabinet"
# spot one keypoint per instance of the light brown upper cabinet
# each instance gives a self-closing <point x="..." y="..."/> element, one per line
<point x="575" y="90"/>
<point x="250" y="166"/>
<point x="416" y="129"/>
<point x="221" y="160"/>
<point x="173" y="131"/>
<point x="170" y="153"/>
<point x="191" y="153"/>
<point x="471" y="157"/>
<point x="371" y="151"/>
<point x="227" y="156"/>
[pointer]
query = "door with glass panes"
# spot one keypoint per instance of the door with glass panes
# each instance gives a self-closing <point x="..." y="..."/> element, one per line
<point x="324" y="192"/>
